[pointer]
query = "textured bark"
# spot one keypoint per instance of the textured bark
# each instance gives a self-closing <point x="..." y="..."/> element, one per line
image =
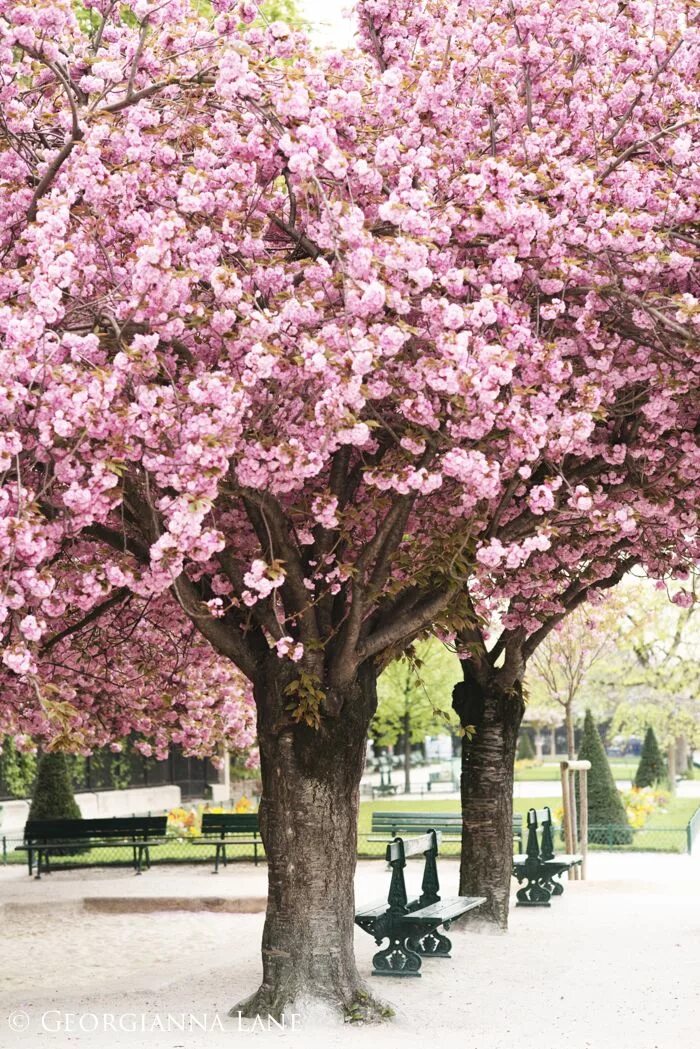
<point x="308" y="823"/>
<point x="487" y="792"/>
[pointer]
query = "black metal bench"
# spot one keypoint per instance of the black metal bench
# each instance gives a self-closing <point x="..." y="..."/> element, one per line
<point x="449" y="823"/>
<point x="540" y="866"/>
<point x="222" y="828"/>
<point x="46" y="838"/>
<point x="411" y="925"/>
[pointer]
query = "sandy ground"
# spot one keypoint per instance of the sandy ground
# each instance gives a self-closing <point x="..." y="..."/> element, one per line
<point x="613" y="964"/>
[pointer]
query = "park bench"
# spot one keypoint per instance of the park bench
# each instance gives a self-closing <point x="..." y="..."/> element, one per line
<point x="443" y="776"/>
<point x="384" y="788"/>
<point x="449" y="823"/>
<point x="411" y="925"/>
<point x="222" y="828"/>
<point x="540" y="867"/>
<point x="46" y="838"/>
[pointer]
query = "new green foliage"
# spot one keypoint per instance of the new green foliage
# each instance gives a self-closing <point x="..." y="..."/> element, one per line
<point x="607" y="818"/>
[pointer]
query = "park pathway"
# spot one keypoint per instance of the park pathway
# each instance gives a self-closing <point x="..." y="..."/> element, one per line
<point x="613" y="964"/>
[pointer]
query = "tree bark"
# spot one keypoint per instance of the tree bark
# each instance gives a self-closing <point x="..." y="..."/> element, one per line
<point x="553" y="742"/>
<point x="487" y="792"/>
<point x="570" y="735"/>
<point x="308" y="824"/>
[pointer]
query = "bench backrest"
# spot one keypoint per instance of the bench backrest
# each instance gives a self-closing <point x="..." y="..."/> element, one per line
<point x="396" y="822"/>
<point x="543" y="849"/>
<point x="396" y="853"/>
<point x="400" y="848"/>
<point x="135" y="827"/>
<point x="230" y="823"/>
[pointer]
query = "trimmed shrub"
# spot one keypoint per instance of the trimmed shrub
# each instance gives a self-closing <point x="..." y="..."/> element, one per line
<point x="526" y="750"/>
<point x="607" y="819"/>
<point x="652" y="767"/>
<point x="53" y="795"/>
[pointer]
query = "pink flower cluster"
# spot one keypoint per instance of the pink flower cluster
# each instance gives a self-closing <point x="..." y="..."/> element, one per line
<point x="287" y="336"/>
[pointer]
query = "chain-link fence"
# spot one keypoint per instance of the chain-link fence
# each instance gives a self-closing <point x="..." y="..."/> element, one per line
<point x="174" y="849"/>
<point x="606" y="838"/>
<point x="171" y="850"/>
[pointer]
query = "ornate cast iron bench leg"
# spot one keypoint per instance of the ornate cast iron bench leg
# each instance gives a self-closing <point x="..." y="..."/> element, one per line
<point x="431" y="944"/>
<point x="396" y="959"/>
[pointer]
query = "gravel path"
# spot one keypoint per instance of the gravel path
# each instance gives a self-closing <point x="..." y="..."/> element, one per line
<point x="613" y="964"/>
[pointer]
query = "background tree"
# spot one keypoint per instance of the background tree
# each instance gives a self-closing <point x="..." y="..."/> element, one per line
<point x="608" y="823"/>
<point x="414" y="695"/>
<point x="655" y="678"/>
<point x="559" y="670"/>
<point x="651" y="769"/>
<point x="17" y="767"/>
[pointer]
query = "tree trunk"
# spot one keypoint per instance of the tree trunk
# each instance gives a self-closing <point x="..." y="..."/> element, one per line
<point x="570" y="736"/>
<point x="671" y="756"/>
<point x="487" y="793"/>
<point x="553" y="742"/>
<point x="407" y="753"/>
<point x="308" y="824"/>
<point x="539" y="746"/>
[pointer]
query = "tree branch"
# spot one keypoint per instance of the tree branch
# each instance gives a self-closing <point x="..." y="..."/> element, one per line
<point x="122" y="594"/>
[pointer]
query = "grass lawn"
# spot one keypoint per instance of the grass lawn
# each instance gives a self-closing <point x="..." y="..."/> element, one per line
<point x="622" y="768"/>
<point x="663" y="832"/>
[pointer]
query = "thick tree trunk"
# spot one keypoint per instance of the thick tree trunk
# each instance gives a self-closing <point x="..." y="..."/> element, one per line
<point x="308" y="823"/>
<point x="570" y="737"/>
<point x="487" y="793"/>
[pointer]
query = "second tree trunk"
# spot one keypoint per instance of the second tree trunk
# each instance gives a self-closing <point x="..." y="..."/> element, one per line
<point x="487" y="793"/>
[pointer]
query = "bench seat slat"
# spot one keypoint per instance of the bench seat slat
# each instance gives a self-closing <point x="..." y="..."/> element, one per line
<point x="445" y="910"/>
<point x="373" y="910"/>
<point x="84" y="844"/>
<point x="225" y="841"/>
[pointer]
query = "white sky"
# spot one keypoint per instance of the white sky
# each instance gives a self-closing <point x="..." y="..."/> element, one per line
<point x="330" y="20"/>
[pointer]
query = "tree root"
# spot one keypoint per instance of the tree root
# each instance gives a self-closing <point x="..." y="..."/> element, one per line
<point x="296" y="1003"/>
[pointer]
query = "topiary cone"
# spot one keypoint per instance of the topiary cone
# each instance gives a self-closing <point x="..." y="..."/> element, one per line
<point x="607" y="819"/>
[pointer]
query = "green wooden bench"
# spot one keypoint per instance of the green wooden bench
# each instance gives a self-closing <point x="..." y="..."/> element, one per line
<point x="222" y="828"/>
<point x="411" y="925"/>
<point x="46" y="838"/>
<point x="540" y="867"/>
<point x="449" y="823"/>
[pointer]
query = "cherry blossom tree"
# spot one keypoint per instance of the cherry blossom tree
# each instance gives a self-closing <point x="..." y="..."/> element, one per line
<point x="325" y="349"/>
